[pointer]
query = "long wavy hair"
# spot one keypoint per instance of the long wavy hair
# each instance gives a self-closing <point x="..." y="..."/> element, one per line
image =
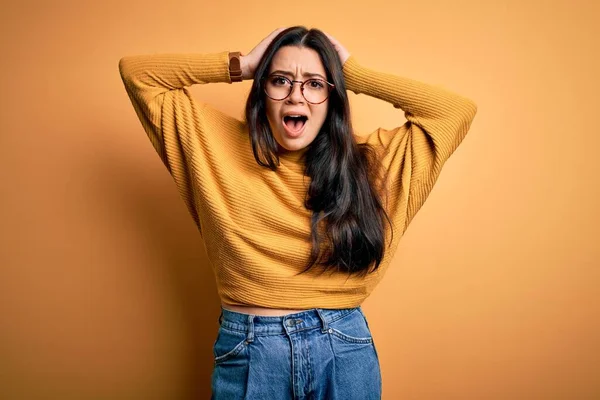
<point x="344" y="192"/>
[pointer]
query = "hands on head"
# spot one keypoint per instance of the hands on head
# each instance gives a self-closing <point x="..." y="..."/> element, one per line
<point x="250" y="61"/>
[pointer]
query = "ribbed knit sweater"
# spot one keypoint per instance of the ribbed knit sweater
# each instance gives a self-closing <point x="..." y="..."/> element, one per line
<point x="252" y="219"/>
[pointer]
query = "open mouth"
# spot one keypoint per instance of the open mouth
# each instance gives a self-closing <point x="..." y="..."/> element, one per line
<point x="295" y="124"/>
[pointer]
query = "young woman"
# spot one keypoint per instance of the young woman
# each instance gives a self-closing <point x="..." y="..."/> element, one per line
<point x="300" y="216"/>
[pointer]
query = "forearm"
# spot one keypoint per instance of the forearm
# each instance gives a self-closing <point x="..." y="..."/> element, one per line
<point x="153" y="74"/>
<point x="419" y="100"/>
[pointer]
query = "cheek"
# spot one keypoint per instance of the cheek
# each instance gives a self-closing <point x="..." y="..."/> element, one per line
<point x="319" y="116"/>
<point x="272" y="110"/>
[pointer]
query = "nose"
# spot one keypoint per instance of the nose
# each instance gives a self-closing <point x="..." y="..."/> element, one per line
<point x="296" y="95"/>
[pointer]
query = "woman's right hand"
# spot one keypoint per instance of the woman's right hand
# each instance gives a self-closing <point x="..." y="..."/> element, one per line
<point x="250" y="61"/>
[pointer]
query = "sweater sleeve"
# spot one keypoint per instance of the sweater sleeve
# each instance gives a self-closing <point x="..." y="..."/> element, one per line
<point x="156" y="85"/>
<point x="414" y="153"/>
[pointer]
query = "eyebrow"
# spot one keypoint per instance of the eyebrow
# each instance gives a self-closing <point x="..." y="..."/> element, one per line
<point x="288" y="73"/>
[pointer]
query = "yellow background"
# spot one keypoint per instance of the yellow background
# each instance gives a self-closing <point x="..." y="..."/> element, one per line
<point x="105" y="290"/>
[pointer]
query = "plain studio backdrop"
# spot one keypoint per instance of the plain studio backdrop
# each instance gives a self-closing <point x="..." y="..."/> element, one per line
<point x="105" y="288"/>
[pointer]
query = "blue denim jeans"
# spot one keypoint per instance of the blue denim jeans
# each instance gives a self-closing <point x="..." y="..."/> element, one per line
<point x="314" y="354"/>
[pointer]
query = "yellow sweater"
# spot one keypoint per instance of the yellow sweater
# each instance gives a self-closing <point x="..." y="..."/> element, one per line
<point x="252" y="219"/>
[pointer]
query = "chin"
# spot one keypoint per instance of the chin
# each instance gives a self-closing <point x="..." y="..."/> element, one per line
<point x="291" y="146"/>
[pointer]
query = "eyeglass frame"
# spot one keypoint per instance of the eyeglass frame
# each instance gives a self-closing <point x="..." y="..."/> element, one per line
<point x="291" y="82"/>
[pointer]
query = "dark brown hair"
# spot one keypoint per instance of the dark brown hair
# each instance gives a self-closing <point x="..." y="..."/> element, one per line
<point x="343" y="193"/>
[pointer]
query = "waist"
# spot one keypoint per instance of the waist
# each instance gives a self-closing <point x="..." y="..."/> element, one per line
<point x="267" y="312"/>
<point x="273" y="325"/>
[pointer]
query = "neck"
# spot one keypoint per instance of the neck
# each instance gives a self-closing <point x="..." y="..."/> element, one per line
<point x="291" y="155"/>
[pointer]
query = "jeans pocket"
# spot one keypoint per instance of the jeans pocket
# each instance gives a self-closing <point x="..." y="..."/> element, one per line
<point x="351" y="328"/>
<point x="229" y="344"/>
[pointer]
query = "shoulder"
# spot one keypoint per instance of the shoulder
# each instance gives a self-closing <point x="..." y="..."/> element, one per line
<point x="218" y="119"/>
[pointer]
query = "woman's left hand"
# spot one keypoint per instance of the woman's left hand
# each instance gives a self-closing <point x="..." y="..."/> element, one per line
<point x="341" y="50"/>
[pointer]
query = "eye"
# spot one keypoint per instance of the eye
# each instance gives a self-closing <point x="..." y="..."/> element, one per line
<point x="315" y="84"/>
<point x="278" y="81"/>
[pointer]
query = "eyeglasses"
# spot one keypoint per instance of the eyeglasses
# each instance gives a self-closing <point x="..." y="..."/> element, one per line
<point x="314" y="91"/>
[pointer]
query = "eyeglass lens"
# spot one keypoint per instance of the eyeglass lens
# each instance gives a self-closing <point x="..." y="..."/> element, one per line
<point x="314" y="90"/>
